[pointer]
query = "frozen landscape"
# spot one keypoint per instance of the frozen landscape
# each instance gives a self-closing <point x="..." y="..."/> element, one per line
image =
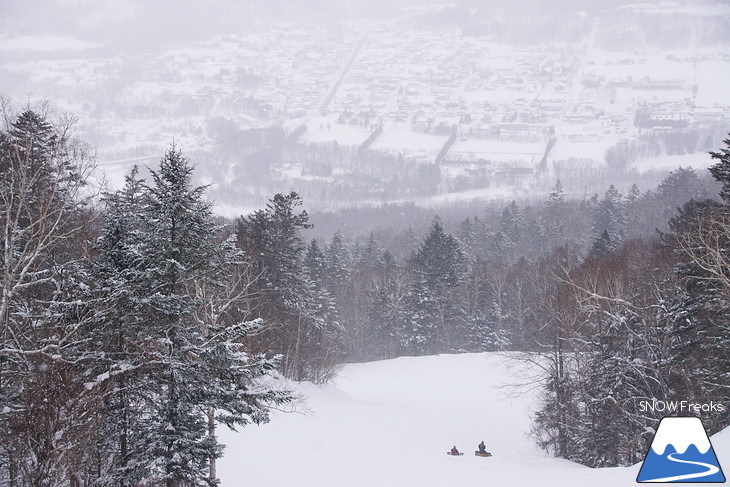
<point x="390" y="424"/>
<point x="336" y="224"/>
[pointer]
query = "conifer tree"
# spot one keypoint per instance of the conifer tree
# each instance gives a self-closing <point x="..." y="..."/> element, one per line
<point x="316" y="264"/>
<point x="369" y="256"/>
<point x="160" y="246"/>
<point x="337" y="258"/>
<point x="438" y="267"/>
<point x="43" y="172"/>
<point x="603" y="246"/>
<point x="610" y="217"/>
<point x="554" y="216"/>
<point x="118" y="300"/>
<point x="303" y="324"/>
<point x="721" y="169"/>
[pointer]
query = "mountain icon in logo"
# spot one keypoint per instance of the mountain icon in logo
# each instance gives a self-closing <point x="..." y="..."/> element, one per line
<point x="681" y="452"/>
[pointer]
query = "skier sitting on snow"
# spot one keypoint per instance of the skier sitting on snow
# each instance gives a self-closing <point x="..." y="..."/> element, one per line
<point x="454" y="451"/>
<point x="482" y="448"/>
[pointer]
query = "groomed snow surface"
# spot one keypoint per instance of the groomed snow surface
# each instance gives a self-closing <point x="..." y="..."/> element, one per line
<point x="390" y="423"/>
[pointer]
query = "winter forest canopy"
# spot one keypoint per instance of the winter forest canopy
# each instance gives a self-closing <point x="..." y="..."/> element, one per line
<point x="136" y="322"/>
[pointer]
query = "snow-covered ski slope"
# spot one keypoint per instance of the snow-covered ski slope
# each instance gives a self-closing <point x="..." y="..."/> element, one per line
<point x="390" y="423"/>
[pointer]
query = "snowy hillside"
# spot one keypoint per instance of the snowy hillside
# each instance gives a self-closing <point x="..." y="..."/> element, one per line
<point x="390" y="423"/>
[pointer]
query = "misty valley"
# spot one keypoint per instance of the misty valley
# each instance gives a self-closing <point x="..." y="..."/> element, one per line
<point x="211" y="215"/>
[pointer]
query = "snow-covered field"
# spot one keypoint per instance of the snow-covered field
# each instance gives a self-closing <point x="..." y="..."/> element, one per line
<point x="390" y="423"/>
<point x="698" y="161"/>
<point x="497" y="150"/>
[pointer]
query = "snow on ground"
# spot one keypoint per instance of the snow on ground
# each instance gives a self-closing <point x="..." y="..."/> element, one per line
<point x="390" y="423"/>
<point x="497" y="150"/>
<point x="326" y="129"/>
<point x="697" y="161"/>
<point x="43" y="43"/>
<point x="402" y="140"/>
<point x="582" y="146"/>
<point x="712" y="78"/>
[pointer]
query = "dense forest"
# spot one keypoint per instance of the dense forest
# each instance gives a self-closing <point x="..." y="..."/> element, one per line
<point x="134" y="322"/>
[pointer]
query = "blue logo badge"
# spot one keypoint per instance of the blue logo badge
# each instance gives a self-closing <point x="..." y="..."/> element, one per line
<point x="681" y="452"/>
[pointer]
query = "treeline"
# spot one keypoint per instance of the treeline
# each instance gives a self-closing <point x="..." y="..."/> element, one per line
<point x="651" y="145"/>
<point x="642" y="322"/>
<point x="248" y="166"/>
<point x="611" y="309"/>
<point x="470" y="285"/>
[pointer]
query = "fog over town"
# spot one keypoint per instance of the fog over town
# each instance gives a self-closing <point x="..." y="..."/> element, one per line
<point x="352" y="103"/>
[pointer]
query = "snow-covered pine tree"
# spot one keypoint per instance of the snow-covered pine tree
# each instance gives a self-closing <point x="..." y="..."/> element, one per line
<point x="369" y="256"/>
<point x="118" y="291"/>
<point x="615" y="373"/>
<point x="610" y="216"/>
<point x="467" y="236"/>
<point x="196" y="366"/>
<point x="721" y="170"/>
<point x="602" y="246"/>
<point x="303" y="326"/>
<point x="325" y="334"/>
<point x="439" y="267"/>
<point x="555" y="217"/>
<point x="634" y="210"/>
<point x="509" y="235"/>
<point x="316" y="264"/>
<point x="337" y="258"/>
<point x="389" y="261"/>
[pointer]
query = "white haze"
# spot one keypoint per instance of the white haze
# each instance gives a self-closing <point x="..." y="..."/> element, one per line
<point x="356" y="103"/>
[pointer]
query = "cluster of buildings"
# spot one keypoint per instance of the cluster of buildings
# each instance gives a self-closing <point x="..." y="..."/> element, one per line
<point x="382" y="74"/>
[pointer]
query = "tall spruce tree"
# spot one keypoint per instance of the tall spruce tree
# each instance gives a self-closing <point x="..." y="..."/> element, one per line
<point x="610" y="217"/>
<point x="303" y="325"/>
<point x="155" y="264"/>
<point x="337" y="259"/>
<point x="721" y="170"/>
<point x="119" y="295"/>
<point x="438" y="267"/>
<point x="554" y="216"/>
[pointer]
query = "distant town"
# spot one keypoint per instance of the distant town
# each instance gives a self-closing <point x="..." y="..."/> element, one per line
<point x="430" y="94"/>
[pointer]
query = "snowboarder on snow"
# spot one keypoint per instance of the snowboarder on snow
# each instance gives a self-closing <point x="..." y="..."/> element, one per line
<point x="482" y="448"/>
<point x="454" y="451"/>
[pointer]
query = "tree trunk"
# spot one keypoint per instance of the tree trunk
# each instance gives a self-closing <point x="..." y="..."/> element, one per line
<point x="211" y="432"/>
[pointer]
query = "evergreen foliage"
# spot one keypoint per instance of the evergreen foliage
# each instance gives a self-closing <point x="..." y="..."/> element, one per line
<point x="721" y="169"/>
<point x="300" y="311"/>
<point x="134" y="355"/>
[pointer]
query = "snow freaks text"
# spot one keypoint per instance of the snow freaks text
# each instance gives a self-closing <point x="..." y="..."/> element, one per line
<point x="680" y="406"/>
